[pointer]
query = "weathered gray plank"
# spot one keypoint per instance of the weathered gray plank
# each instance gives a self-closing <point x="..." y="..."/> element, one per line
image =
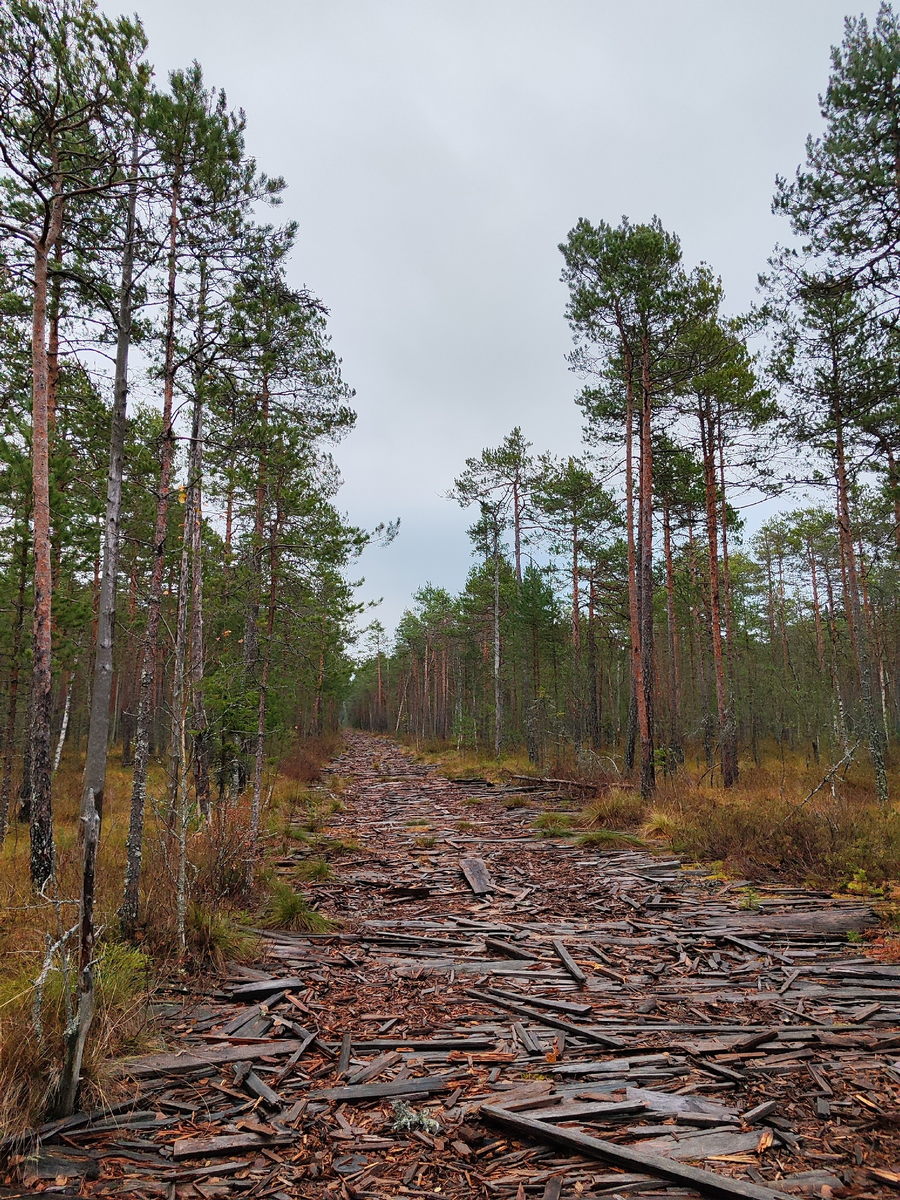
<point x="706" y="1182"/>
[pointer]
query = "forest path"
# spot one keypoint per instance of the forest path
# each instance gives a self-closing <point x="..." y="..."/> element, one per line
<point x="585" y="994"/>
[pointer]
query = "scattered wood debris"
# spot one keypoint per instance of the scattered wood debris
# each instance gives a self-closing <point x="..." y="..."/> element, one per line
<point x="507" y="1016"/>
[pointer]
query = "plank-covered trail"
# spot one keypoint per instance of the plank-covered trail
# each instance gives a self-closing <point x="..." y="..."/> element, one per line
<point x="539" y="987"/>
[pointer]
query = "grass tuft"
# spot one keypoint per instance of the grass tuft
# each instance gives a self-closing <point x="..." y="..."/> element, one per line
<point x="314" y="870"/>
<point x="616" y="808"/>
<point x="287" y="909"/>
<point x="659" y="823"/>
<point x="554" y="824"/>
<point x="339" y="845"/>
<point x="213" y="937"/>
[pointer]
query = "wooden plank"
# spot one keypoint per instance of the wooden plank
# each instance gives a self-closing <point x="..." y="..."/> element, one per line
<point x="564" y="1006"/>
<point x="702" y="1145"/>
<point x="568" y="1112"/>
<point x="476" y="875"/>
<point x="829" y="920"/>
<point x="229" y="1143"/>
<point x="509" y="949"/>
<point x="344" y="1056"/>
<point x="374" y="1069"/>
<point x="528" y="1040"/>
<point x="569" y="963"/>
<point x="260" y="988"/>
<point x="189" y="1060"/>
<point x="602" y="1039"/>
<point x="375" y="1091"/>
<point x="361" y="1045"/>
<point x="259" y="1088"/>
<point x="705" y="1182"/>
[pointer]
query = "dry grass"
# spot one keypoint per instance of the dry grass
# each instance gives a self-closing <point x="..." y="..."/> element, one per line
<point x="760" y="829"/>
<point x="471" y="764"/>
<point x="30" y="1053"/>
<point x="614" y="808"/>
<point x="287" y="909"/>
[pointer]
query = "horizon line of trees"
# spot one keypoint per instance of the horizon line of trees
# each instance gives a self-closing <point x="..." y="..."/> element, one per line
<point x="640" y="623"/>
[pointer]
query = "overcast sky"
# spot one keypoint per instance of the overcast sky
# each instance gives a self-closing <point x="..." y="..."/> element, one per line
<point x="437" y="152"/>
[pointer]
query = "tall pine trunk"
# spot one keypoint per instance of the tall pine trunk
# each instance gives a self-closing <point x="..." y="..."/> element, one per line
<point x="498" y="696"/>
<point x="9" y="736"/>
<point x="676" y="742"/>
<point x="199" y="721"/>
<point x="94" y="783"/>
<point x="645" y="578"/>
<point x="128" y="913"/>
<point x="857" y="624"/>
<point x="727" y="739"/>
<point x="259" y="756"/>
<point x="41" y="806"/>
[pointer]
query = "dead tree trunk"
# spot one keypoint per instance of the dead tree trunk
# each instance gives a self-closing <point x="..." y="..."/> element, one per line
<point x="76" y="1034"/>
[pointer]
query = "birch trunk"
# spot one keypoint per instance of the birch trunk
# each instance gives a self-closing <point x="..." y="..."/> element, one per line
<point x="64" y="724"/>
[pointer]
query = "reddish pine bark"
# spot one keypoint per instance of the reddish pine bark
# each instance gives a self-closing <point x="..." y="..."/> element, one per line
<point x="41" y="674"/>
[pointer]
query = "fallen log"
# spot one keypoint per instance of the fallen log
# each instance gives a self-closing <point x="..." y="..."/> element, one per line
<point x="831" y="920"/>
<point x="576" y="783"/>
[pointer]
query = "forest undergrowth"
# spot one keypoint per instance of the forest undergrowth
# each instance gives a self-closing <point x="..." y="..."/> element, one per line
<point x="766" y="828"/>
<point x="224" y="905"/>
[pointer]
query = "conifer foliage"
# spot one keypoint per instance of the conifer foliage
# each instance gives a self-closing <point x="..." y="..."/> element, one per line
<point x="620" y="613"/>
<point x="171" y="556"/>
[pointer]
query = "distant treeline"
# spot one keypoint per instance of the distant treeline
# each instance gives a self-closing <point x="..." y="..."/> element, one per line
<point x="616" y="611"/>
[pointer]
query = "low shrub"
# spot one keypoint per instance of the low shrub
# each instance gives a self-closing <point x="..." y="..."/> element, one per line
<point x="33" y="1024"/>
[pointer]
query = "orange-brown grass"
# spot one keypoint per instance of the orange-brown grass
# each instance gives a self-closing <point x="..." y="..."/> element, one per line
<point x="30" y="1058"/>
<point x="761" y="828"/>
<point x="614" y="808"/>
<point x="306" y="758"/>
